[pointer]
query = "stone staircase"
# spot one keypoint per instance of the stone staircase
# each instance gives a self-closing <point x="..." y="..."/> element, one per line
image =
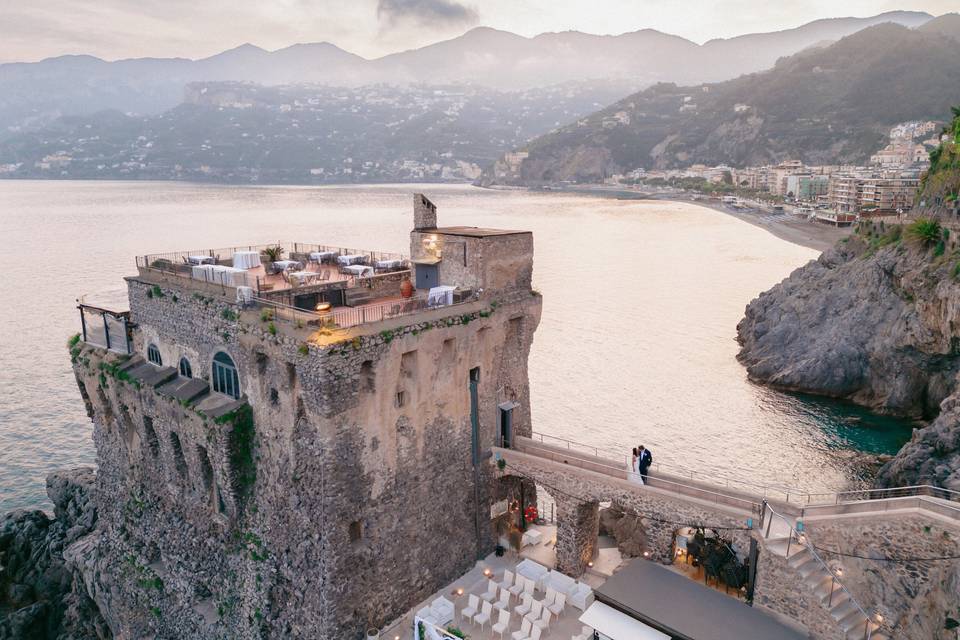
<point x="851" y="621"/>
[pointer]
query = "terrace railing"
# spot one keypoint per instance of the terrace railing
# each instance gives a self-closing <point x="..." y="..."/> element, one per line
<point x="224" y="255"/>
<point x="346" y="317"/>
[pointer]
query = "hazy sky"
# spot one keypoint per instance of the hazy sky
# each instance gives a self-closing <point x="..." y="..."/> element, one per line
<point x="34" y="29"/>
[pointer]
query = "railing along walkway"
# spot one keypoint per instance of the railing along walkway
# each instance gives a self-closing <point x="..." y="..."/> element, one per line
<point x="792" y="498"/>
<point x="675" y="486"/>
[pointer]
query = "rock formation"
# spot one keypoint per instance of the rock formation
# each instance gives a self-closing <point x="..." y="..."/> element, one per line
<point x="873" y="320"/>
<point x="41" y="595"/>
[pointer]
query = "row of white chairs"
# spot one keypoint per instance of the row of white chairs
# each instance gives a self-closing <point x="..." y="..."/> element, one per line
<point x="535" y="614"/>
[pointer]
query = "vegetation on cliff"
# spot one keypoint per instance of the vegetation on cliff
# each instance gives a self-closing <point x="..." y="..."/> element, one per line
<point x="873" y="321"/>
<point x="823" y="106"/>
<point x="939" y="193"/>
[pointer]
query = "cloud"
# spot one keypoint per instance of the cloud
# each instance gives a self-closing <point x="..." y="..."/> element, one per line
<point x="429" y="13"/>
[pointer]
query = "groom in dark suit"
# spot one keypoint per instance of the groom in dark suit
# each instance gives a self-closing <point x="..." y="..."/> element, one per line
<point x="645" y="461"/>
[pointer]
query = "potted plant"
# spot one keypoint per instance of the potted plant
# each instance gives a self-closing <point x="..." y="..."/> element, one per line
<point x="273" y="253"/>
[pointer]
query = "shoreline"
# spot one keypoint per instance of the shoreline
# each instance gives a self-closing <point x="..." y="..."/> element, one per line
<point x="812" y="235"/>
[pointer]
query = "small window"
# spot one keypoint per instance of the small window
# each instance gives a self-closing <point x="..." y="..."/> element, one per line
<point x="224" y="374"/>
<point x="153" y="355"/>
<point x="356" y="531"/>
<point x="401" y="399"/>
<point x="185" y="369"/>
<point x="475" y="374"/>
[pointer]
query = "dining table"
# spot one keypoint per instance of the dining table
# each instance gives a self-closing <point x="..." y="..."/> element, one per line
<point x="388" y="264"/>
<point x="321" y="256"/>
<point x="440" y="296"/>
<point x="284" y="265"/>
<point x="246" y="259"/>
<point x="359" y="270"/>
<point x="351" y="258"/>
<point x="202" y="259"/>
<point x="219" y="274"/>
<point x="303" y="277"/>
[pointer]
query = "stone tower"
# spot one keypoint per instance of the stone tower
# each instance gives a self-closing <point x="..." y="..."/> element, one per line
<point x="269" y="472"/>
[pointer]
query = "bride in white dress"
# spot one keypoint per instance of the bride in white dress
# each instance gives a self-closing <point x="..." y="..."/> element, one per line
<point x="634" y="470"/>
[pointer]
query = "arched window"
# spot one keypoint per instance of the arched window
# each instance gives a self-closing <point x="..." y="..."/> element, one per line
<point x="185" y="369"/>
<point x="224" y="374"/>
<point x="153" y="355"/>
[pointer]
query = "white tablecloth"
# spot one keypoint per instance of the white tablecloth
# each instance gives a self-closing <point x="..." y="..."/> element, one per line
<point x="440" y="296"/>
<point x="302" y="277"/>
<point x="531" y="536"/>
<point x="359" y="270"/>
<point x="246" y="259"/>
<point x="533" y="571"/>
<point x="220" y="274"/>
<point x="202" y="259"/>
<point x="320" y="256"/>
<point x="286" y="264"/>
<point x="351" y="259"/>
<point x="388" y="264"/>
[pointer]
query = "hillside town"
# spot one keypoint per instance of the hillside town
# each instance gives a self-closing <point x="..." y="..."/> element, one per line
<point x="837" y="194"/>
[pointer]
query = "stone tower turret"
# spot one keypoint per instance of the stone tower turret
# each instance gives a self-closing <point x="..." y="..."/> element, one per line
<point x="424" y="212"/>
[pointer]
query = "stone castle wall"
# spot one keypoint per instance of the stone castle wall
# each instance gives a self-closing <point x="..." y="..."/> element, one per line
<point x="366" y="498"/>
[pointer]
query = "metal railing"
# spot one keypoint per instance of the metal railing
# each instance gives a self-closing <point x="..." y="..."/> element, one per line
<point x="621" y="473"/>
<point x="799" y="538"/>
<point x="788" y="495"/>
<point x="224" y="255"/>
<point x="781" y="493"/>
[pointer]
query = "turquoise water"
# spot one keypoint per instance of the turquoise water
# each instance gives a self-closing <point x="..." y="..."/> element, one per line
<point x="636" y="345"/>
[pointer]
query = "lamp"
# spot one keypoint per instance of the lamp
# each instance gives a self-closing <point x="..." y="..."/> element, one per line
<point x="323" y="307"/>
<point x="487" y="572"/>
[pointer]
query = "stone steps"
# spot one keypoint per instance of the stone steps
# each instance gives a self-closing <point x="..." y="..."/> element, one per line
<point x="818" y="579"/>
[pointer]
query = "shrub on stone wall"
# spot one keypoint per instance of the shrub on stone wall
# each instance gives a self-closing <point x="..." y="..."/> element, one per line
<point x="243" y="468"/>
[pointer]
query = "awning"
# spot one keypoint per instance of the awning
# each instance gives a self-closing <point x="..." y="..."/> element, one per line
<point x="426" y="261"/>
<point x="618" y="626"/>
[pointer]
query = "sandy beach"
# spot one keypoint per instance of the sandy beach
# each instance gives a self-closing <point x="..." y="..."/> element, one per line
<point x="786" y="226"/>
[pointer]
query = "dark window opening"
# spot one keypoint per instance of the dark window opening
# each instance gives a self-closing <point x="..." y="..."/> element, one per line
<point x="185" y="369"/>
<point x="274" y="396"/>
<point x="151" y="436"/>
<point x="179" y="461"/>
<point x="506" y="427"/>
<point x="224" y="374"/>
<point x="367" y="377"/>
<point x="153" y="355"/>
<point x="401" y="399"/>
<point x="356" y="531"/>
<point x="475" y="415"/>
<point x="206" y="469"/>
<point x="475" y="374"/>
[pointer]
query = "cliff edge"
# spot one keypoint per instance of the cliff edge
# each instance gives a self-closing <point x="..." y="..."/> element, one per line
<point x="875" y="320"/>
<point x="41" y="595"/>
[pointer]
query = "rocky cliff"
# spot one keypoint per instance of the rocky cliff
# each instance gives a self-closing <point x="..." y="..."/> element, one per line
<point x="875" y="320"/>
<point x="41" y="594"/>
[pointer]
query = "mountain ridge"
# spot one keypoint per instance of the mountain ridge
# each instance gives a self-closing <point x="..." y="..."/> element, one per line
<point x="35" y="93"/>
<point x="824" y="105"/>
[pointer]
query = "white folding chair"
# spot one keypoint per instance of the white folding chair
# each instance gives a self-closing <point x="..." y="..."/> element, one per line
<point x="472" y="608"/>
<point x="524" y="631"/>
<point x="483" y="617"/>
<point x="529" y="586"/>
<point x="549" y="598"/>
<point x="504" y="602"/>
<point x="535" y="611"/>
<point x="544" y="621"/>
<point x="586" y="633"/>
<point x="503" y="623"/>
<point x="535" y="633"/>
<point x="527" y="604"/>
<point x="507" y="580"/>
<point x="558" y="604"/>
<point x="519" y="583"/>
<point x="491" y="593"/>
